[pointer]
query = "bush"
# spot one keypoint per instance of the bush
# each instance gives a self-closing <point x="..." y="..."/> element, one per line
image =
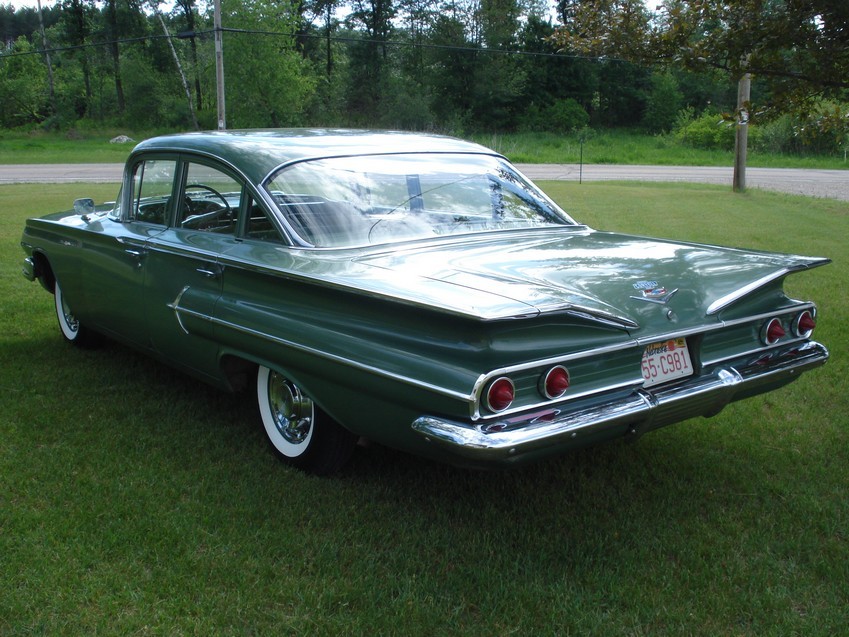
<point x="563" y="116"/>
<point x="779" y="136"/>
<point x="709" y="131"/>
<point x="566" y="115"/>
<point x="823" y="130"/>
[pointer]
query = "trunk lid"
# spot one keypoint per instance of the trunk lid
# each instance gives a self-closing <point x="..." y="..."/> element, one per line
<point x="623" y="280"/>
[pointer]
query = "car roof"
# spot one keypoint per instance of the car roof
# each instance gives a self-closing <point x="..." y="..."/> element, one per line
<point x="256" y="153"/>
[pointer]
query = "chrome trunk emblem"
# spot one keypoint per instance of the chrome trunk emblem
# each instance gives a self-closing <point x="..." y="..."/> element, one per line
<point x="652" y="292"/>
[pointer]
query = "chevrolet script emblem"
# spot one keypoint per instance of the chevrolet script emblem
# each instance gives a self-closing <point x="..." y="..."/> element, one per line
<point x="652" y="292"/>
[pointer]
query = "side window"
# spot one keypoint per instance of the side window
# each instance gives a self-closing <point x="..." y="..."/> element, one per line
<point x="259" y="226"/>
<point x="153" y="181"/>
<point x="211" y="200"/>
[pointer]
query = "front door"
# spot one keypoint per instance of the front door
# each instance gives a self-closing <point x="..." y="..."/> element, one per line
<point x="183" y="274"/>
<point x="113" y="269"/>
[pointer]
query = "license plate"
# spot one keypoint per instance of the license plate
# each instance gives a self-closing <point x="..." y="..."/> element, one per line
<point x="666" y="361"/>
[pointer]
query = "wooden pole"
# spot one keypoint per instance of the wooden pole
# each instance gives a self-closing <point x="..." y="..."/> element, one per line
<point x="219" y="67"/>
<point x="741" y="140"/>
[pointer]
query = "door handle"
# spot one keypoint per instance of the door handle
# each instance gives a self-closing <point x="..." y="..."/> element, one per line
<point x="209" y="272"/>
<point x="136" y="254"/>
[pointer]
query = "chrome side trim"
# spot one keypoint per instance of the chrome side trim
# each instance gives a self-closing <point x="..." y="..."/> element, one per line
<point x="175" y="305"/>
<point x="444" y="391"/>
<point x="634" y="414"/>
<point x="729" y="299"/>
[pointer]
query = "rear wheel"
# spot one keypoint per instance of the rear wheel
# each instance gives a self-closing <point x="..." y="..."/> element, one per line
<point x="299" y="432"/>
<point x="72" y="330"/>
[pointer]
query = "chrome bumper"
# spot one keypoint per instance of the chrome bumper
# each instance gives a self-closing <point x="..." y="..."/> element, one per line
<point x="28" y="269"/>
<point x="633" y="414"/>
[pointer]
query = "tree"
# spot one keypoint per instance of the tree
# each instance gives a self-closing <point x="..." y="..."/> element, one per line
<point x="369" y="56"/>
<point x="800" y="47"/>
<point x="268" y="82"/>
<point x="113" y="34"/>
<point x="23" y="98"/>
<point x="663" y="103"/>
<point x="187" y="8"/>
<point x="76" y="29"/>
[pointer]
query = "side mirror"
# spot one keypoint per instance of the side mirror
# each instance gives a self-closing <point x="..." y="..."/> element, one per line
<point x="84" y="206"/>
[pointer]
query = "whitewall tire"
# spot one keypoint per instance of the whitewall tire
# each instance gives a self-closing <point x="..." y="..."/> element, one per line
<point x="299" y="432"/>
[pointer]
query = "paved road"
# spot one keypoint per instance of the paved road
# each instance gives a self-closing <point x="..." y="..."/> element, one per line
<point x="60" y="173"/>
<point x="815" y="183"/>
<point x="811" y="182"/>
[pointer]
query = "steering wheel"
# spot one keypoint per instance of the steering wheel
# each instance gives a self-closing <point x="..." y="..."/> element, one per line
<point x="227" y="209"/>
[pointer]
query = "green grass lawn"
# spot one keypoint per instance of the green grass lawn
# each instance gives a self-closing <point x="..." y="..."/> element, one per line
<point x="135" y="501"/>
<point x="58" y="148"/>
<point x="631" y="147"/>
<point x="603" y="147"/>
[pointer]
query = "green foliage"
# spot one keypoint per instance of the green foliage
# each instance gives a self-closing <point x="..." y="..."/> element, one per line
<point x="150" y="103"/>
<point x="709" y="131"/>
<point x="563" y="116"/>
<point x="411" y="64"/>
<point x="621" y="97"/>
<point x="797" y="48"/>
<point x="663" y="103"/>
<point x="267" y="81"/>
<point x="822" y="130"/>
<point x="23" y="86"/>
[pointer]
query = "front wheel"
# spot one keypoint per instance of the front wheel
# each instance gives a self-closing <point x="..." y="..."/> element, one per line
<point x="72" y="330"/>
<point x="299" y="432"/>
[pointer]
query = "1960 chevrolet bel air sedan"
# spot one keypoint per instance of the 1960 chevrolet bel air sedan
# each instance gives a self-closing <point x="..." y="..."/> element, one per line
<point x="413" y="290"/>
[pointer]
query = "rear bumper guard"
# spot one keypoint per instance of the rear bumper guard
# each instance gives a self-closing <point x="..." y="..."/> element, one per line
<point x="633" y="414"/>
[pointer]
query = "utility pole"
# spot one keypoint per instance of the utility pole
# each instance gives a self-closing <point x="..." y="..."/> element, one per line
<point x="219" y="66"/>
<point x="741" y="140"/>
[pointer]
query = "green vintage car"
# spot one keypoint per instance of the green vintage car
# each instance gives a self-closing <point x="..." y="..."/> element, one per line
<point x="414" y="290"/>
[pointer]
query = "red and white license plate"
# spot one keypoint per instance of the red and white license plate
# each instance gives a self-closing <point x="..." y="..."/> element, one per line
<point x="665" y="361"/>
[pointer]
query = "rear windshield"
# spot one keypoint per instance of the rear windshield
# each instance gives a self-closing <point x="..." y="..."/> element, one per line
<point x="352" y="201"/>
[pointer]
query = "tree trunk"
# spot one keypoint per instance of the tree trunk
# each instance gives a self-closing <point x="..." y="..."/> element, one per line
<point x="47" y="58"/>
<point x="179" y="67"/>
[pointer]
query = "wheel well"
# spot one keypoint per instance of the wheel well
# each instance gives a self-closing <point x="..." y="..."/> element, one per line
<point x="43" y="271"/>
<point x="239" y="372"/>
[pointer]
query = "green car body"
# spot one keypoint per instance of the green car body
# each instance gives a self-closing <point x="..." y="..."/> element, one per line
<point x="503" y="339"/>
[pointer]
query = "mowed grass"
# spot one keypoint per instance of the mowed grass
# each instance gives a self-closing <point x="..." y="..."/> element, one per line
<point x="58" y="148"/>
<point x="134" y="500"/>
<point x="600" y="147"/>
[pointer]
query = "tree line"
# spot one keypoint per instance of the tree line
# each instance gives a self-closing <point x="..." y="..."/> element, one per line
<point x="460" y="66"/>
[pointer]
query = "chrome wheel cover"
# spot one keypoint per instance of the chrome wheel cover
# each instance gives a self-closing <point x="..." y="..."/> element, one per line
<point x="72" y="323"/>
<point x="292" y="412"/>
<point x="68" y="323"/>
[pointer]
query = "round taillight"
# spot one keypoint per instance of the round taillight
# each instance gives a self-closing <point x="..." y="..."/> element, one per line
<point x="500" y="394"/>
<point x="772" y="332"/>
<point x="804" y="324"/>
<point x="556" y="382"/>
